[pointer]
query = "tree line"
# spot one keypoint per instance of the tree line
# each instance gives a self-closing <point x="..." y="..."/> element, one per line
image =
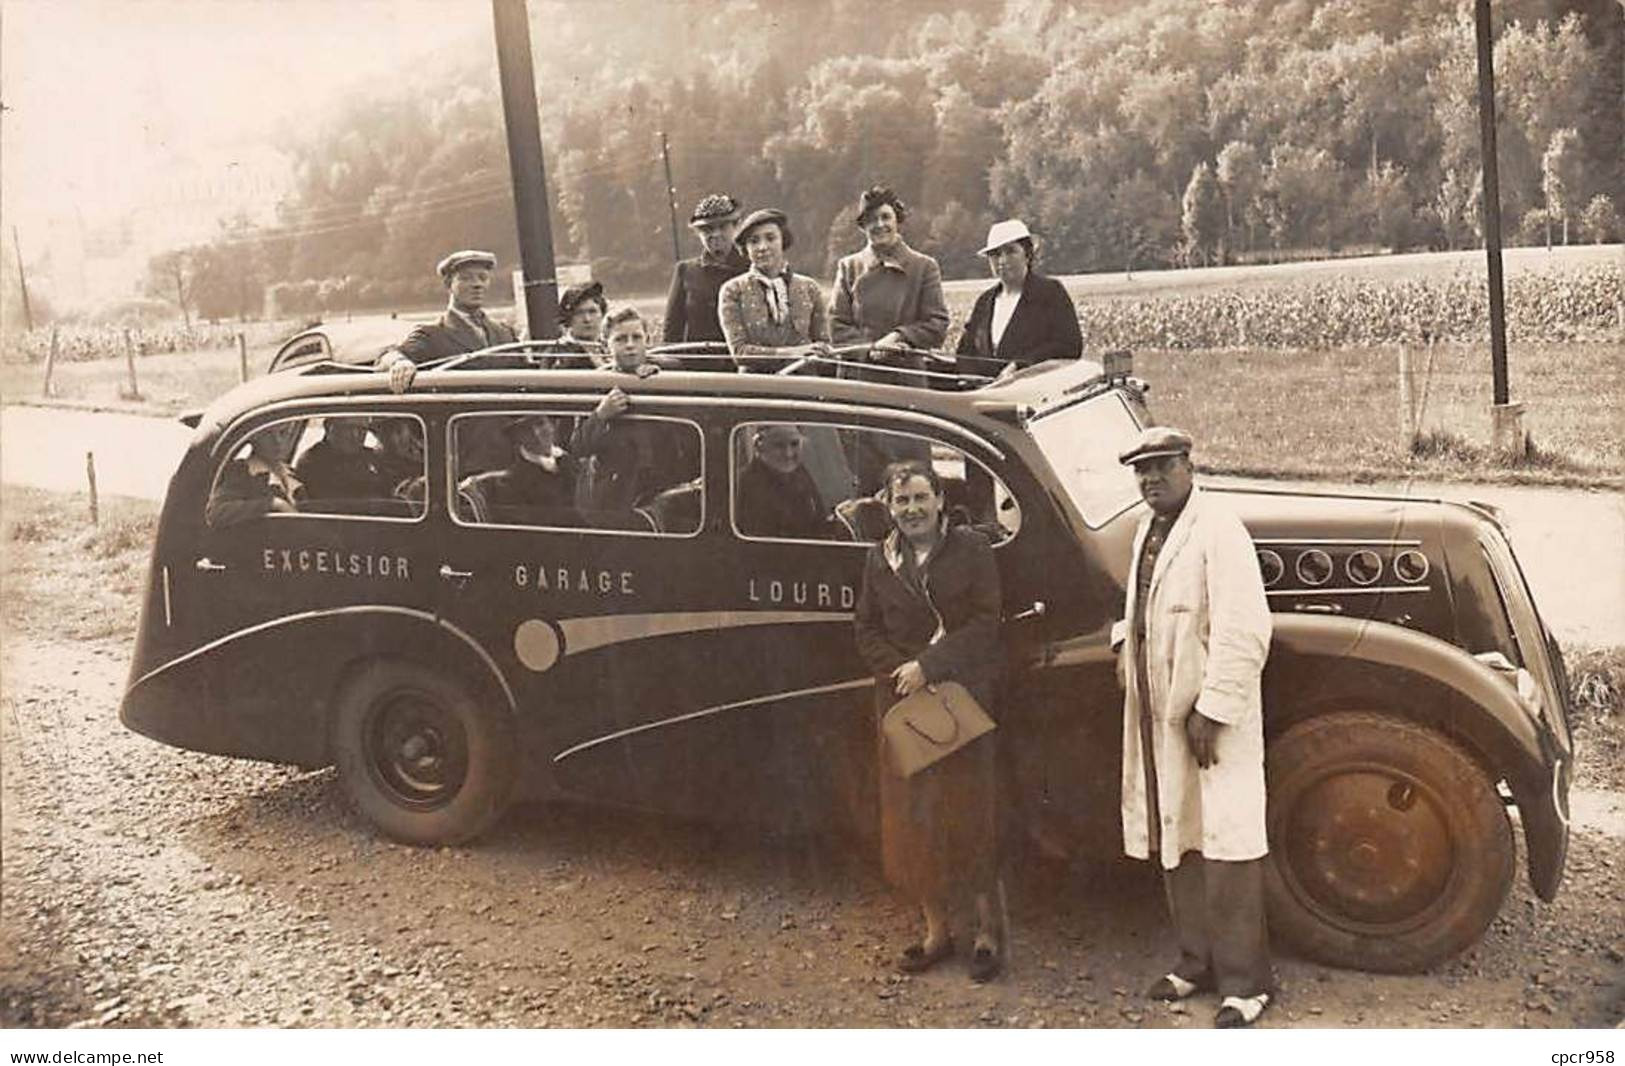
<point x="1158" y="134"/>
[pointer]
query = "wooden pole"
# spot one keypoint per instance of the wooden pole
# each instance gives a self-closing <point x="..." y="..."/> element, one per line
<point x="1407" y="394"/>
<point x="242" y="356"/>
<point x="90" y="476"/>
<point x="22" y="280"/>
<point x="1492" y="201"/>
<point x="516" y="74"/>
<point x="129" y="361"/>
<point x="671" y="199"/>
<point x="50" y="362"/>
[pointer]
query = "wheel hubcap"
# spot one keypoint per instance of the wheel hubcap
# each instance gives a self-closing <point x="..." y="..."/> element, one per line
<point x="1367" y="845"/>
<point x="418" y="751"/>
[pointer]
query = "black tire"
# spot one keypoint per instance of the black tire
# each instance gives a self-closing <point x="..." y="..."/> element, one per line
<point x="420" y="756"/>
<point x="1391" y="850"/>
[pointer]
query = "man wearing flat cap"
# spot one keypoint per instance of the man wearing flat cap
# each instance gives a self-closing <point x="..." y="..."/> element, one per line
<point x="691" y="302"/>
<point x="1197" y="633"/>
<point x="463" y="328"/>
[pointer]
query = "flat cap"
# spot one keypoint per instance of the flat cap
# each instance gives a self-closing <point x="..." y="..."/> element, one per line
<point x="1156" y="442"/>
<point x="761" y="217"/>
<point x="467" y="257"/>
<point x="718" y="207"/>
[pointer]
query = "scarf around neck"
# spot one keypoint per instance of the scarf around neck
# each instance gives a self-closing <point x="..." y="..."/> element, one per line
<point x="776" y="287"/>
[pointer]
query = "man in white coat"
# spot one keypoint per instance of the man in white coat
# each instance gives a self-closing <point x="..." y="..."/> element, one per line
<point x="1197" y="633"/>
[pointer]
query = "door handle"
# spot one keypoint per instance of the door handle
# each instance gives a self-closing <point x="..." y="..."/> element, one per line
<point x="207" y="563"/>
<point x="1035" y="611"/>
<point x="449" y="574"/>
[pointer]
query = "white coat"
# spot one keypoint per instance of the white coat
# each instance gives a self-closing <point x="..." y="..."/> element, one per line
<point x="1207" y="635"/>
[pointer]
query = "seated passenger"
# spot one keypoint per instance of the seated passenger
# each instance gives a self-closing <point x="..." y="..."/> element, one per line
<point x="260" y="483"/>
<point x="537" y="487"/>
<point x="339" y="469"/>
<point x="776" y="496"/>
<point x="400" y="461"/>
<point x="626" y="463"/>
<point x="581" y="319"/>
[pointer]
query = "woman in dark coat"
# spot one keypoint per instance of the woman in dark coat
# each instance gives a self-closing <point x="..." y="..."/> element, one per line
<point x="1026" y="318"/>
<point x="581" y="324"/>
<point x="929" y="613"/>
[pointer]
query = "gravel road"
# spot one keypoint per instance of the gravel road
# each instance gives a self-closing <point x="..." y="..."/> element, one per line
<point x="151" y="887"/>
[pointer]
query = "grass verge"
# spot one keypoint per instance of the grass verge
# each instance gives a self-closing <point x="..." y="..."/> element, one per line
<point x="65" y="578"/>
<point x="1337" y="414"/>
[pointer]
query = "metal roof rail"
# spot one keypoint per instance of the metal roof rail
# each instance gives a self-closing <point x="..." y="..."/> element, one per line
<point x="907" y="375"/>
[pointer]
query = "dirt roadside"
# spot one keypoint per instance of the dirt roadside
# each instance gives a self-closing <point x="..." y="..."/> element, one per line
<point x="151" y="887"/>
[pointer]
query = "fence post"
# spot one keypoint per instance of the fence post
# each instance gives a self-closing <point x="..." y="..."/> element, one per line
<point x="50" y="362"/>
<point x="129" y="361"/>
<point x="242" y="356"/>
<point x="1407" y="394"/>
<point x="90" y="476"/>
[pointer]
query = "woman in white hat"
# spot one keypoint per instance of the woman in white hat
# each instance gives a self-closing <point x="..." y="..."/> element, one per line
<point x="1026" y="318"/>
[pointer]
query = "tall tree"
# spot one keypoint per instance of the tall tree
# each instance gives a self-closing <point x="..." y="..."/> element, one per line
<point x="1203" y="214"/>
<point x="1241" y="177"/>
<point x="169" y="277"/>
<point x="1561" y="179"/>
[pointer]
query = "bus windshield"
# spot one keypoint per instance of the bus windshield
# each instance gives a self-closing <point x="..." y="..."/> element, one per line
<point x="1082" y="443"/>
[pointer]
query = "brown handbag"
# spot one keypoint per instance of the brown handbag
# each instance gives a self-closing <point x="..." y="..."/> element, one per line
<point x="931" y="724"/>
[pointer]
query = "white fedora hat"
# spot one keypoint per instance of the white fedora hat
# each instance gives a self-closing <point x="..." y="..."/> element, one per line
<point x="1009" y="231"/>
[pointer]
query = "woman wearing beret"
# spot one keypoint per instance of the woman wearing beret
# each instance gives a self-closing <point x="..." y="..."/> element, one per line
<point x="581" y="322"/>
<point x="928" y="614"/>
<point x="691" y="302"/>
<point x="888" y="294"/>
<point x="1026" y="318"/>
<point x="771" y="316"/>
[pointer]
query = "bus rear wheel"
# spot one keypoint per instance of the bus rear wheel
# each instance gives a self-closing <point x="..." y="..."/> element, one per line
<point x="420" y="756"/>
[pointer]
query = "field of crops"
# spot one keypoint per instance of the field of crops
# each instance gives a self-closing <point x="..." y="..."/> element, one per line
<point x="1349" y="312"/>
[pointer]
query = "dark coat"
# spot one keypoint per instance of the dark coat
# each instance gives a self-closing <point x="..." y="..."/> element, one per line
<point x="771" y="504"/>
<point x="626" y="461"/>
<point x="331" y="476"/>
<point x="937" y="829"/>
<point x="451" y="336"/>
<point x="524" y="493"/>
<point x="895" y="620"/>
<point x="691" y="302"/>
<point x="1044" y="326"/>
<point x="245" y="491"/>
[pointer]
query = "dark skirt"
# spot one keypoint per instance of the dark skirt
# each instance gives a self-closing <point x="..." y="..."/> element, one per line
<point x="937" y="828"/>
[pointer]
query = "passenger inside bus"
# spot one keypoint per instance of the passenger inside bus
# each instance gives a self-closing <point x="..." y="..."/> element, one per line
<point x="537" y="487"/>
<point x="775" y="495"/>
<point x="339" y="470"/>
<point x="259" y="480"/>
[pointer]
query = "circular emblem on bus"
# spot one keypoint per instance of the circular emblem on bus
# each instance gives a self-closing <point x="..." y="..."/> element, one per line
<point x="1270" y="566"/>
<point x="536" y="644"/>
<point x="1411" y="566"/>
<point x="1314" y="567"/>
<point x="1363" y="567"/>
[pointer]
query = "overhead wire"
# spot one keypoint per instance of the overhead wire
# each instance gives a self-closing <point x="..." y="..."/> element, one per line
<point x="408" y="207"/>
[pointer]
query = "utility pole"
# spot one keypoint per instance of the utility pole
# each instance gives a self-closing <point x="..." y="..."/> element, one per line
<point x="511" y="22"/>
<point x="1506" y="417"/>
<point x="22" y="280"/>
<point x="671" y="198"/>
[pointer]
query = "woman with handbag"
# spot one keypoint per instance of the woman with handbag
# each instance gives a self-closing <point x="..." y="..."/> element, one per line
<point x="928" y="625"/>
